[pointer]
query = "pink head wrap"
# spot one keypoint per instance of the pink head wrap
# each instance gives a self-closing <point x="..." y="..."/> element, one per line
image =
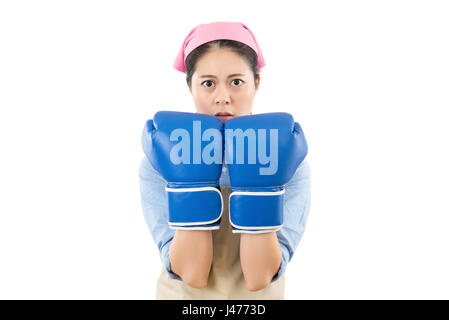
<point x="215" y="31"/>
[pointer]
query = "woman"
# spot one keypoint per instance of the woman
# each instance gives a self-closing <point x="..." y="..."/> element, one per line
<point x="222" y="63"/>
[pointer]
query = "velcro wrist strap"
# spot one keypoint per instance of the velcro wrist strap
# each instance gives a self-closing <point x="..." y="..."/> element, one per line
<point x="194" y="206"/>
<point x="256" y="210"/>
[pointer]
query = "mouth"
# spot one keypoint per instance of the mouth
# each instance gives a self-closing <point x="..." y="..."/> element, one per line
<point x="224" y="115"/>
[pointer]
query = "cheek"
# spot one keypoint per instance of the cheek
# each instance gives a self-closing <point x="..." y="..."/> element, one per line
<point x="204" y="109"/>
<point x="245" y="97"/>
<point x="244" y="102"/>
<point x="202" y="103"/>
<point x="246" y="93"/>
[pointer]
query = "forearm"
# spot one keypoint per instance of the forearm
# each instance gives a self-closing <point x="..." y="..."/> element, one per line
<point x="191" y="256"/>
<point x="260" y="257"/>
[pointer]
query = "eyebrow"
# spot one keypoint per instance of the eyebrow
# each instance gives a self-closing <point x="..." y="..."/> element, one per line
<point x="212" y="76"/>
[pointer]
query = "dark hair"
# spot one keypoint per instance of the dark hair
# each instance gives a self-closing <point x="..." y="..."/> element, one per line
<point x="238" y="47"/>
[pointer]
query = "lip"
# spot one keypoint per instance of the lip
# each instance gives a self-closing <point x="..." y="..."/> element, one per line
<point x="224" y="115"/>
<point x="224" y="118"/>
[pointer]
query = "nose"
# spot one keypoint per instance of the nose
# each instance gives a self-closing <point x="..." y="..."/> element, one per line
<point x="222" y="96"/>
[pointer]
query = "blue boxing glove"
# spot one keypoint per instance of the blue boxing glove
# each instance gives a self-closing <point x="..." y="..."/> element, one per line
<point x="259" y="169"/>
<point x="174" y="144"/>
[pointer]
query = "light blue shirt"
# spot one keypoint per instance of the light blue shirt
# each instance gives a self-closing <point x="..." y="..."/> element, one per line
<point x="155" y="210"/>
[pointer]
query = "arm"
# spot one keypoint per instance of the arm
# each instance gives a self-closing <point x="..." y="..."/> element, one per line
<point x="296" y="212"/>
<point x="264" y="257"/>
<point x="191" y="256"/>
<point x="260" y="257"/>
<point x="176" y="247"/>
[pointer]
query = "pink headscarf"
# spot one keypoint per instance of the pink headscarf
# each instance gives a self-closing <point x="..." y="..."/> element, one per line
<point x="203" y="33"/>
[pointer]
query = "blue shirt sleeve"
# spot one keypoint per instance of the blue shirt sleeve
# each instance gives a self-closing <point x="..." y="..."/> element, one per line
<point x="296" y="211"/>
<point x="155" y="210"/>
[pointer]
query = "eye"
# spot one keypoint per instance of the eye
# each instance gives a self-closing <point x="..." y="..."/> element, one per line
<point x="237" y="80"/>
<point x="207" y="81"/>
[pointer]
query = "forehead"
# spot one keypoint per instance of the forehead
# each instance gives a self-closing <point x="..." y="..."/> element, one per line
<point x="221" y="61"/>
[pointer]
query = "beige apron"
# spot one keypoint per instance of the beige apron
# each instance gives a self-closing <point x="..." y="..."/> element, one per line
<point x="226" y="277"/>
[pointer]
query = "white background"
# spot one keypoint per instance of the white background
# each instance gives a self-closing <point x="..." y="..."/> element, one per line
<point x="367" y="80"/>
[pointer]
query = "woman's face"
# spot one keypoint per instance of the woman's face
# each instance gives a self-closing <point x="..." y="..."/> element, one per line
<point x="223" y="85"/>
